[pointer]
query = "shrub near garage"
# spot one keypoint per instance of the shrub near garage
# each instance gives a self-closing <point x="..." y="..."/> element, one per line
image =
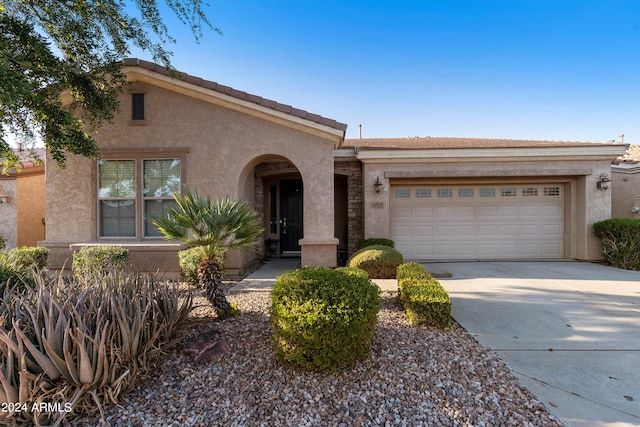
<point x="379" y="261"/>
<point x="620" y="242"/>
<point x="323" y="318"/>
<point x="425" y="301"/>
<point x="376" y="241"/>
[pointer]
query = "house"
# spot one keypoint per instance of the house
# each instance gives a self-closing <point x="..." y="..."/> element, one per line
<point x="316" y="193"/>
<point x="625" y="184"/>
<point x="22" y="201"/>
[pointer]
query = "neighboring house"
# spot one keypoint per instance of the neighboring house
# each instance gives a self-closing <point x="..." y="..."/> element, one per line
<point x="625" y="184"/>
<point x="22" y="201"/>
<point x="316" y="193"/>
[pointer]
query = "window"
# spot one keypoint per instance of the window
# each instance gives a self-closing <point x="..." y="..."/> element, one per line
<point x="117" y="198"/>
<point x="444" y="192"/>
<point x="551" y="191"/>
<point x="423" y="193"/>
<point x="465" y="192"/>
<point x="508" y="192"/>
<point x="161" y="180"/>
<point x="488" y="192"/>
<point x="126" y="208"/>
<point x="402" y="194"/>
<point x="137" y="106"/>
<point x="530" y="191"/>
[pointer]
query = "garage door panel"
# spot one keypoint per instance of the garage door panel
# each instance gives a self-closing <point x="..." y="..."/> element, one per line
<point x="479" y="222"/>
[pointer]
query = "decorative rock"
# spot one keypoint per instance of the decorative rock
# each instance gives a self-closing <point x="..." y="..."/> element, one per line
<point x="207" y="348"/>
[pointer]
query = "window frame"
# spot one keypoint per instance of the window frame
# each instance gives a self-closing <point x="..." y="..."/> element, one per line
<point x="140" y="199"/>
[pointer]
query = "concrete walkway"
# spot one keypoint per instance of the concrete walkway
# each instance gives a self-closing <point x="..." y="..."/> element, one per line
<point x="569" y="331"/>
<point x="264" y="278"/>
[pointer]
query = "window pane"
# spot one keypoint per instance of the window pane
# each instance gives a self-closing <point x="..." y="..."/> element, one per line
<point x="508" y="192"/>
<point x="137" y="106"/>
<point x="161" y="177"/>
<point x="465" y="192"/>
<point x="153" y="209"/>
<point x="487" y="192"/>
<point x="530" y="191"/>
<point x="116" y="178"/>
<point x="402" y="194"/>
<point x="444" y="192"/>
<point x="423" y="193"/>
<point x="118" y="218"/>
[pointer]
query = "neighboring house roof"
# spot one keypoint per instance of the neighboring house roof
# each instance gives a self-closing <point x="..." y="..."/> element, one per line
<point x="244" y="96"/>
<point x="426" y="143"/>
<point x="29" y="159"/>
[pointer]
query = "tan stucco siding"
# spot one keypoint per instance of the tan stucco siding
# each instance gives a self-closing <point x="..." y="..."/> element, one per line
<point x="219" y="149"/>
<point x="30" y="203"/>
<point x="9" y="213"/>
<point x="625" y="192"/>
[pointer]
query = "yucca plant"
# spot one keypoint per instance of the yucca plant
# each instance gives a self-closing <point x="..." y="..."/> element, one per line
<point x="215" y="226"/>
<point x="76" y="347"/>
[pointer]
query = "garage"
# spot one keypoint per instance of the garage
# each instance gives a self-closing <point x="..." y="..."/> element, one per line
<point x="483" y="222"/>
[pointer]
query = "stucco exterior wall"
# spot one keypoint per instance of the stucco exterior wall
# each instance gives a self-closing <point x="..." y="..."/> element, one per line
<point x="219" y="149"/>
<point x="30" y="203"/>
<point x="9" y="213"/>
<point x="625" y="191"/>
<point x="584" y="204"/>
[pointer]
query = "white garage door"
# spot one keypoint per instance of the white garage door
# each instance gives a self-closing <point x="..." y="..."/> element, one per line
<point x="478" y="222"/>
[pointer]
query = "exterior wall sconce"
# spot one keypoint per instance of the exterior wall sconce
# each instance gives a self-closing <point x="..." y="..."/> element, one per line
<point x="604" y="182"/>
<point x="4" y="197"/>
<point x="377" y="184"/>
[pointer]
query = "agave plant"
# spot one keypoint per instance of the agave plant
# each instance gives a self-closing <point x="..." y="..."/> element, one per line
<point x="215" y="226"/>
<point x="76" y="346"/>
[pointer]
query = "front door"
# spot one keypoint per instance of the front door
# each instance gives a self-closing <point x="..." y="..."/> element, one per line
<point x="290" y="215"/>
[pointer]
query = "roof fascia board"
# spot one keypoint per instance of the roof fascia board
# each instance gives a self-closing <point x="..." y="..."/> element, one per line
<point x="597" y="152"/>
<point x="327" y="133"/>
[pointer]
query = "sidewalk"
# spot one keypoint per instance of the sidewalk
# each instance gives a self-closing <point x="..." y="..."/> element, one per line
<point x="264" y="278"/>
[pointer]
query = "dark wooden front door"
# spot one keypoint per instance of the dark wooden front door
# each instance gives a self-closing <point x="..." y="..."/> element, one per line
<point x="290" y="215"/>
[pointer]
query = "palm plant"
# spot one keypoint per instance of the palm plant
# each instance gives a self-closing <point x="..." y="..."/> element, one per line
<point x="215" y="226"/>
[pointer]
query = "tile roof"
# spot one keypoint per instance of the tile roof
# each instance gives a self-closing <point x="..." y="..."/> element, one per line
<point x="426" y="143"/>
<point x="268" y="103"/>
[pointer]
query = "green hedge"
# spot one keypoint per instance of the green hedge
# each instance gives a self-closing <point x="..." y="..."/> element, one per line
<point x="98" y="260"/>
<point x="620" y="242"/>
<point x="323" y="318"/>
<point x="376" y="241"/>
<point x="18" y="264"/>
<point x="425" y="301"/>
<point x="379" y="261"/>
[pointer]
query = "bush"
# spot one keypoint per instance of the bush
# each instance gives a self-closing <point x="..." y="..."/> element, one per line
<point x="425" y="301"/>
<point x="189" y="260"/>
<point x="98" y="260"/>
<point x="323" y="318"/>
<point x="3" y="242"/>
<point x="87" y="344"/>
<point x="379" y="261"/>
<point x="27" y="257"/>
<point x="620" y="242"/>
<point x="363" y="243"/>
<point x="18" y="265"/>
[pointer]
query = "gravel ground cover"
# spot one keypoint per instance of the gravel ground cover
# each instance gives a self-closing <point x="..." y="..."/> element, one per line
<point x="414" y="376"/>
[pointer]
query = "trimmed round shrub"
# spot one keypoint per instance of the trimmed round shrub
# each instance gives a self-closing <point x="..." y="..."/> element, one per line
<point x="379" y="261"/>
<point x="323" y="318"/>
<point x="375" y="241"/>
<point x="189" y="260"/>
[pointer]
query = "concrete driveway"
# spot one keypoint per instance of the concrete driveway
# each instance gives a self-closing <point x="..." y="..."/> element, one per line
<point x="570" y="331"/>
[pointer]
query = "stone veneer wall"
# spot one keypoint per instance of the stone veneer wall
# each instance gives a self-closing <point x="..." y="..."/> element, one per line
<point x="258" y="205"/>
<point x="353" y="170"/>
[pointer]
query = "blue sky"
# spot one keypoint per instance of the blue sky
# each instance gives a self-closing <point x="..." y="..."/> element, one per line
<point x="522" y="69"/>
